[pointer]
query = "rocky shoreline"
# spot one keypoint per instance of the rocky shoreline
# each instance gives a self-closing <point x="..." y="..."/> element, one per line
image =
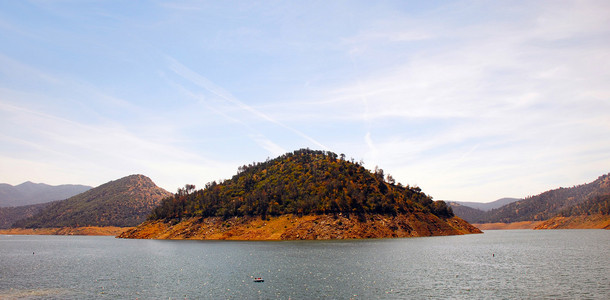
<point x="597" y="221"/>
<point x="309" y="227"/>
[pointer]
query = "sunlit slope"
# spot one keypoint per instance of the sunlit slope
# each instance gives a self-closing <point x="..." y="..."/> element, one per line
<point x="550" y="203"/>
<point x="124" y="202"/>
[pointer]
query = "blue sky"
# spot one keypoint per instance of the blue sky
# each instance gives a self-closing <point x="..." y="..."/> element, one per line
<point x="470" y="100"/>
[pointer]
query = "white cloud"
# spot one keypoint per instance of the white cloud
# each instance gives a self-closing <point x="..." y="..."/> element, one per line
<point x="98" y="151"/>
<point x="221" y="93"/>
<point x="58" y="136"/>
<point x="470" y="100"/>
<point x="268" y="145"/>
<point x="491" y="105"/>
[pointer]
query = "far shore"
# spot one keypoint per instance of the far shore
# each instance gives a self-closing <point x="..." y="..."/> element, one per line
<point x="88" y="230"/>
<point x="508" y="226"/>
<point x="595" y="221"/>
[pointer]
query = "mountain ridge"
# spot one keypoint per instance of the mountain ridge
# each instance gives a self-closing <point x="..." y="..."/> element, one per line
<point x="472" y="212"/>
<point x="565" y="205"/>
<point x="486" y="206"/>
<point x="28" y="193"/>
<point x="124" y="202"/>
<point x="550" y="203"/>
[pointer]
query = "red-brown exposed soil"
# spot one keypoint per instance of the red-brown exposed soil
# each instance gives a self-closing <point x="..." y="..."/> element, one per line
<point x="577" y="222"/>
<point x="309" y="227"/>
<point x="507" y="226"/>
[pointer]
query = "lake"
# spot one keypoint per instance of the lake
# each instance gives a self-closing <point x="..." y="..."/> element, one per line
<point x="526" y="264"/>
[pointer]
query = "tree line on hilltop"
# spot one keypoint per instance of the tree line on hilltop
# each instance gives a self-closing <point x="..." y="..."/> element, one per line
<point x="302" y="182"/>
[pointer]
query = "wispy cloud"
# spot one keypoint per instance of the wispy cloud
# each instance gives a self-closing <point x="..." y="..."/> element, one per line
<point x="46" y="136"/>
<point x="221" y="93"/>
<point x="106" y="149"/>
<point x="471" y="100"/>
<point x="270" y="146"/>
<point x="489" y="104"/>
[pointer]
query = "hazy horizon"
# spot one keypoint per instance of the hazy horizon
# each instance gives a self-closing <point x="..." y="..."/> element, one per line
<point x="469" y="100"/>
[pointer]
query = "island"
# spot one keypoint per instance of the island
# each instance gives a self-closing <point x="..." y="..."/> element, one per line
<point x="305" y="194"/>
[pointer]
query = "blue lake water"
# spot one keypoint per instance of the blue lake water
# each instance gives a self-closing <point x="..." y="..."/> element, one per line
<point x="526" y="264"/>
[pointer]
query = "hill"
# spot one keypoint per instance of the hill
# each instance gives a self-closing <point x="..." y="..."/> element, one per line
<point x="10" y="215"/>
<point x="548" y="204"/>
<point x="487" y="206"/>
<point x="306" y="187"/>
<point x="592" y="213"/>
<point x="595" y="205"/>
<point x="469" y="214"/>
<point x="124" y="202"/>
<point x="29" y="193"/>
<point x="474" y="212"/>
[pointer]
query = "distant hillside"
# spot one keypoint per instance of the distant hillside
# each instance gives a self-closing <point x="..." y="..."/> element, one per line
<point x="548" y="204"/>
<point x="592" y="213"/>
<point x="10" y="215"/>
<point x="469" y="214"/>
<point x="488" y="205"/>
<point x="305" y="182"/>
<point x="598" y="204"/>
<point x="123" y="202"/>
<point x="29" y="193"/>
<point x="475" y="212"/>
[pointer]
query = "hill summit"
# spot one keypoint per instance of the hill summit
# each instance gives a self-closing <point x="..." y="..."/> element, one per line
<point x="302" y="183"/>
<point x="124" y="202"/>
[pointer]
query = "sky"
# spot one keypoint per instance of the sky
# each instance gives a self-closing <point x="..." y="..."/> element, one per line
<point x="469" y="100"/>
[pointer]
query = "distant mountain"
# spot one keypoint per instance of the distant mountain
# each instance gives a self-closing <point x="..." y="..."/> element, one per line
<point x="548" y="204"/>
<point x="474" y="212"/>
<point x="123" y="202"/>
<point x="29" y="193"/>
<point x="488" y="205"/>
<point x="10" y="215"/>
<point x="321" y="194"/>
<point x="469" y="214"/>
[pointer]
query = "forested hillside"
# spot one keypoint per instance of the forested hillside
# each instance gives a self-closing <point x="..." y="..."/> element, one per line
<point x="10" y="215"/>
<point x="301" y="183"/>
<point x="485" y="206"/>
<point x="469" y="214"/>
<point x="123" y="202"/>
<point x="551" y="203"/>
<point x="593" y="213"/>
<point x="599" y="204"/>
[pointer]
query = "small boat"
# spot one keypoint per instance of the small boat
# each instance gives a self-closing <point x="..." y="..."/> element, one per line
<point x="259" y="279"/>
